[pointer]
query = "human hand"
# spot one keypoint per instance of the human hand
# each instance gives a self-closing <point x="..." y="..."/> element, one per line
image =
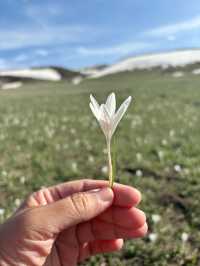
<point x="67" y="223"/>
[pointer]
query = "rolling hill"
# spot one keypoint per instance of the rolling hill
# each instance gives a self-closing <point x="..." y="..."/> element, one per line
<point x="10" y="79"/>
<point x="167" y="60"/>
<point x="176" y="62"/>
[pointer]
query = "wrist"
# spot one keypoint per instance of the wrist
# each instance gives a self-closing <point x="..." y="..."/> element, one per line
<point x="3" y="262"/>
<point x="4" y="259"/>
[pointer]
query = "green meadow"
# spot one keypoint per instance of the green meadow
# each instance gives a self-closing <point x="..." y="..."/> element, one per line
<point x="49" y="135"/>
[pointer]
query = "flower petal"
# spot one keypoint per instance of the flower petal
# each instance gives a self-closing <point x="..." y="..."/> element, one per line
<point x="105" y="121"/>
<point x="94" y="111"/>
<point x="111" y="104"/>
<point x="121" y="111"/>
<point x="94" y="102"/>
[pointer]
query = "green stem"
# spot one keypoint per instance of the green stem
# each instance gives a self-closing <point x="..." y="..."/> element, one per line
<point x="110" y="169"/>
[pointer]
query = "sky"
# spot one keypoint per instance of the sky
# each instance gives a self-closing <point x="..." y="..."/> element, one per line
<point x="77" y="34"/>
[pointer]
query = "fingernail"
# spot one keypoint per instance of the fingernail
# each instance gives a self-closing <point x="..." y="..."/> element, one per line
<point x="104" y="194"/>
<point x="94" y="190"/>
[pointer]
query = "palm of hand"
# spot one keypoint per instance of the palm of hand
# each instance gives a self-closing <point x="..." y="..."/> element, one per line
<point x="104" y="233"/>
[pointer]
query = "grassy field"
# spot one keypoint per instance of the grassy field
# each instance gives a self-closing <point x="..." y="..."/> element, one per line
<point x="49" y="135"/>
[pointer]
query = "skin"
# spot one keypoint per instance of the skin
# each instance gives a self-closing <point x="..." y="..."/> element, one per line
<point x="65" y="224"/>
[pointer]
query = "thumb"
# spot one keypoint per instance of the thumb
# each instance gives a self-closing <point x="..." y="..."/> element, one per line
<point x="74" y="209"/>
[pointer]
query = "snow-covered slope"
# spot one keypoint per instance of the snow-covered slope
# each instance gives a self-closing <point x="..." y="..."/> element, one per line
<point x="90" y="71"/>
<point x="11" y="85"/>
<point x="163" y="60"/>
<point x="39" y="74"/>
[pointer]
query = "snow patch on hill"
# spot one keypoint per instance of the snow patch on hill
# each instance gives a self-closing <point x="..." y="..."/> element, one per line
<point x="39" y="74"/>
<point x="163" y="60"/>
<point x="196" y="71"/>
<point x="11" y="85"/>
<point x="178" y="74"/>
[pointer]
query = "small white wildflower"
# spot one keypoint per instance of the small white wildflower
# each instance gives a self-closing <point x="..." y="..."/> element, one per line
<point x="184" y="237"/>
<point x="177" y="168"/>
<point x="18" y="148"/>
<point x="164" y="142"/>
<point x="171" y="133"/>
<point x="160" y="155"/>
<point x="91" y="159"/>
<point x="153" y="237"/>
<point x="156" y="218"/>
<point x="104" y="169"/>
<point x="105" y="151"/>
<point x="77" y="142"/>
<point x="139" y="173"/>
<point x="4" y="173"/>
<point x="65" y="119"/>
<point x="17" y="202"/>
<point x="186" y="171"/>
<point x="2" y="136"/>
<point x="22" y="179"/>
<point x="16" y="121"/>
<point x="74" y="166"/>
<point x="2" y="211"/>
<point x="73" y="131"/>
<point x="138" y="156"/>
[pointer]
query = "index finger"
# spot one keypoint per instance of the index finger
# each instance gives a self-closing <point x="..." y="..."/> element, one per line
<point x="124" y="196"/>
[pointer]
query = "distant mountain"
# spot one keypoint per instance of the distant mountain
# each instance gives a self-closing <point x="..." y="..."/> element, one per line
<point x="66" y="73"/>
<point x="175" y="62"/>
<point x="33" y="74"/>
<point x="50" y="73"/>
<point x="88" y="71"/>
<point x="167" y="60"/>
<point x="8" y="78"/>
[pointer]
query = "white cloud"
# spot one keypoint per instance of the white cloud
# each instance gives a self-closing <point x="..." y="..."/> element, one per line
<point x="42" y="14"/>
<point x="42" y="52"/>
<point x="21" y="58"/>
<point x="120" y="50"/>
<point x="171" y="29"/>
<point x="37" y="37"/>
<point x="171" y="38"/>
<point x="43" y="10"/>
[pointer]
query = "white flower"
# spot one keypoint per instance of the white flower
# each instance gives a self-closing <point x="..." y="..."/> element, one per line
<point x="160" y="155"/>
<point x="4" y="173"/>
<point x="139" y="173"/>
<point x="108" y="119"/>
<point x="106" y="115"/>
<point x="177" y="168"/>
<point x="184" y="237"/>
<point x="164" y="142"/>
<point x="138" y="156"/>
<point x="171" y="133"/>
<point x="17" y="202"/>
<point x="74" y="166"/>
<point x="153" y="237"/>
<point x="104" y="169"/>
<point x="155" y="218"/>
<point x="91" y="159"/>
<point x="2" y="211"/>
<point x="22" y="179"/>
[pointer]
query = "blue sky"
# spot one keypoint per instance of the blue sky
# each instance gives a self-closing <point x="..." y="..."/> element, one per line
<point x="76" y="33"/>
